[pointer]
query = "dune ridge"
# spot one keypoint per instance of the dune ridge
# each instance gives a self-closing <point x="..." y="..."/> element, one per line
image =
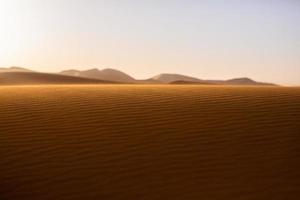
<point x="111" y="75"/>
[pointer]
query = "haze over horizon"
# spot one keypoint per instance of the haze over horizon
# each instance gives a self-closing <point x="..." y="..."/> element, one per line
<point x="208" y="39"/>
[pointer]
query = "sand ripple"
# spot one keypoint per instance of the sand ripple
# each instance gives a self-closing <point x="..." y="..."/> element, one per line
<point x="149" y="142"/>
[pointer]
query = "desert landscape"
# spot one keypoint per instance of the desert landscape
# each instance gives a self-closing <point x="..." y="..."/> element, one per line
<point x="141" y="141"/>
<point x="149" y="100"/>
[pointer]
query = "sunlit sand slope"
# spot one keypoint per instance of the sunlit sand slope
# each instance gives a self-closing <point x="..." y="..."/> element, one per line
<point x="149" y="142"/>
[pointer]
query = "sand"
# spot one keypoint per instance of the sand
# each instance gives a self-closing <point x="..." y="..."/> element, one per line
<point x="149" y="142"/>
<point x="35" y="78"/>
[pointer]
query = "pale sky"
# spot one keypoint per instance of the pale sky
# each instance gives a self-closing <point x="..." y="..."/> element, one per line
<point x="209" y="39"/>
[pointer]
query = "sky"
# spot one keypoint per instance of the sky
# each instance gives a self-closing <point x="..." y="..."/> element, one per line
<point x="208" y="39"/>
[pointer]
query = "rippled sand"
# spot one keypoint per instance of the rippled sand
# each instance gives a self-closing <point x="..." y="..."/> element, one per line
<point x="149" y="142"/>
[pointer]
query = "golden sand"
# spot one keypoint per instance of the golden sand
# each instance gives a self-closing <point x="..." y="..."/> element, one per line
<point x="149" y="142"/>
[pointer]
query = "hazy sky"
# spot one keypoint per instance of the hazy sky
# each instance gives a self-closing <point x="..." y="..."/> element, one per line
<point x="210" y="39"/>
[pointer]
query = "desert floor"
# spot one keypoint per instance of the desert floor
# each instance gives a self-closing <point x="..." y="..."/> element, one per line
<point x="149" y="142"/>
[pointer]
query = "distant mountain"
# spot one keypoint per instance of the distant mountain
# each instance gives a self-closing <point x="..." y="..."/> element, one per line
<point x="19" y="75"/>
<point x="245" y="81"/>
<point x="182" y="79"/>
<point x="105" y="74"/>
<point x="236" y="81"/>
<point x="23" y="78"/>
<point x="14" y="69"/>
<point x="192" y="83"/>
<point x="239" y="81"/>
<point x="169" y="78"/>
<point x="148" y="81"/>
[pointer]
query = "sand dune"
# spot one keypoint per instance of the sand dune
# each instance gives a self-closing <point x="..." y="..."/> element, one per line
<point x="105" y="74"/>
<point x="182" y="79"/>
<point x="25" y="78"/>
<point x="15" y="69"/>
<point x="149" y="142"/>
<point x="240" y="81"/>
<point x="113" y="75"/>
<point x="169" y="78"/>
<point x="192" y="83"/>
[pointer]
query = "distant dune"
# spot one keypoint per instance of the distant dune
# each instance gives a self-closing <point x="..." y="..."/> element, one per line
<point x="105" y="74"/>
<point x="169" y="78"/>
<point x="179" y="82"/>
<point x="180" y="142"/>
<point x="12" y="78"/>
<point x="238" y="81"/>
<point x="241" y="81"/>
<point x="15" y="69"/>
<point x="118" y="76"/>
<point x="181" y="79"/>
<point x="113" y="75"/>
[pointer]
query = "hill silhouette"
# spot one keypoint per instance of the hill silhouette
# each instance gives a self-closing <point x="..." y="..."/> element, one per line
<point x="19" y="75"/>
<point x="14" y="69"/>
<point x="169" y="78"/>
<point x="105" y="74"/>
<point x="16" y="78"/>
